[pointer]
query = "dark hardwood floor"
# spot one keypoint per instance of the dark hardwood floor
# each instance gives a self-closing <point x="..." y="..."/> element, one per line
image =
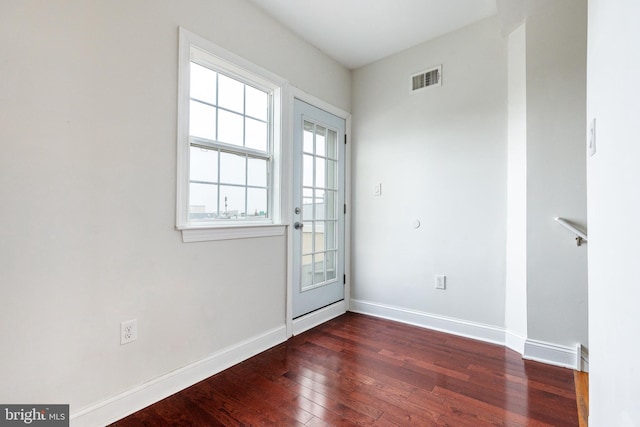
<point x="581" y="381"/>
<point x="360" y="370"/>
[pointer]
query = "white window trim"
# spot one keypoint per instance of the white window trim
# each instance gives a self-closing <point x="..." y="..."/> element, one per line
<point x="235" y="65"/>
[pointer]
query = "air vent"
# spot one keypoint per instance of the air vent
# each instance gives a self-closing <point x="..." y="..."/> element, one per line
<point x="424" y="79"/>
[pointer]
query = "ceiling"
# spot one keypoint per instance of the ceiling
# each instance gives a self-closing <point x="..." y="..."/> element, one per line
<point x="358" y="32"/>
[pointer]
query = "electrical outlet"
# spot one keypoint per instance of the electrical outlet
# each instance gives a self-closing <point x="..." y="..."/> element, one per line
<point x="128" y="331"/>
<point x="441" y="281"/>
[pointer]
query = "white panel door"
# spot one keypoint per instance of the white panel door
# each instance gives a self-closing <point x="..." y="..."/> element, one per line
<point x="318" y="217"/>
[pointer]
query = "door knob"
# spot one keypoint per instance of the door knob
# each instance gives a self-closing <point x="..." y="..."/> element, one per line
<point x="298" y="225"/>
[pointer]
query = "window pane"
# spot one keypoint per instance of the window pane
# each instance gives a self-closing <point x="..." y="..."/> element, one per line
<point x="257" y="103"/>
<point x="318" y="267"/>
<point x="203" y="165"/>
<point x="330" y="205"/>
<point x="319" y="236"/>
<point x="230" y="94"/>
<point x="202" y="201"/>
<point x="330" y="235"/>
<point x="307" y="170"/>
<point x="202" y="120"/>
<point x="320" y="141"/>
<point x="307" y="204"/>
<point x="230" y="128"/>
<point x="331" y="265"/>
<point x="256" y="202"/>
<point x="307" y="271"/>
<point x="307" y="234"/>
<point x="232" y="169"/>
<point x="332" y="175"/>
<point x="307" y="237"/>
<point x="320" y="173"/>
<point x="203" y="83"/>
<point x="320" y="204"/>
<point x="256" y="135"/>
<point x="307" y="138"/>
<point x="332" y="145"/>
<point x="257" y="173"/>
<point x="232" y="200"/>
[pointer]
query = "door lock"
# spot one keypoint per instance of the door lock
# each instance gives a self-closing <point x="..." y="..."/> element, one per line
<point x="297" y="211"/>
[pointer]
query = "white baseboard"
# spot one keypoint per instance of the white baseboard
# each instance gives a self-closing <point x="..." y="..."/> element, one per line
<point x="478" y="331"/>
<point x="318" y="317"/>
<point x="117" y="407"/>
<point x="550" y="354"/>
<point x="515" y="341"/>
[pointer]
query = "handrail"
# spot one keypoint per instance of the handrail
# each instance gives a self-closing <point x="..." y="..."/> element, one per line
<point x="580" y="236"/>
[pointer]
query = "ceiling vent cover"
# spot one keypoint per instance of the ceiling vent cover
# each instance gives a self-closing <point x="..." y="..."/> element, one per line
<point x="428" y="78"/>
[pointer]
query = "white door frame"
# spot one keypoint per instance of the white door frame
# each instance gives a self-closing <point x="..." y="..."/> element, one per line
<point x="315" y="318"/>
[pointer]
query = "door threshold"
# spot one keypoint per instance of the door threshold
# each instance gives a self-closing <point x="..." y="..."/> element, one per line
<point x="317" y="317"/>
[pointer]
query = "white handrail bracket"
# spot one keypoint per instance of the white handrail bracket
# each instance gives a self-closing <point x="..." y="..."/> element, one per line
<point x="581" y="237"/>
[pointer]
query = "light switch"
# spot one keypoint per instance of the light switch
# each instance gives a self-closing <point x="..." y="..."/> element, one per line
<point x="377" y="189"/>
<point x="591" y="148"/>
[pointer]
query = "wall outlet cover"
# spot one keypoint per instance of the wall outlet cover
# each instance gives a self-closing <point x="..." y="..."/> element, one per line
<point x="128" y="331"/>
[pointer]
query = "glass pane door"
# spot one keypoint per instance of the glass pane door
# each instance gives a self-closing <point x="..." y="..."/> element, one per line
<point x="319" y="215"/>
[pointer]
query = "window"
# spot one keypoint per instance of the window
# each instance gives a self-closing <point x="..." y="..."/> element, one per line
<point x="228" y="143"/>
<point x="230" y="155"/>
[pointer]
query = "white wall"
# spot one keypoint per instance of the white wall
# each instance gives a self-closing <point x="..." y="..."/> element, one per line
<point x="440" y="156"/>
<point x="486" y="162"/>
<point x="556" y="173"/>
<point x="87" y="182"/>
<point x="614" y="209"/>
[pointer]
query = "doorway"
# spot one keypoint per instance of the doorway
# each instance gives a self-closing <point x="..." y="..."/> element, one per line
<point x="318" y="209"/>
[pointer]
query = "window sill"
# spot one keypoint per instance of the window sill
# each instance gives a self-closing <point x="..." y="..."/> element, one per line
<point x="225" y="232"/>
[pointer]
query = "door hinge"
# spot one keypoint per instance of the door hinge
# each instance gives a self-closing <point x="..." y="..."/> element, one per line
<point x="345" y="208"/>
<point x="344" y="279"/>
<point x="345" y="139"/>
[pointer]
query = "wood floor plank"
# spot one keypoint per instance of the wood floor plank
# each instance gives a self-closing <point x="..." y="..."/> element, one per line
<point x="361" y="370"/>
<point x="582" y="396"/>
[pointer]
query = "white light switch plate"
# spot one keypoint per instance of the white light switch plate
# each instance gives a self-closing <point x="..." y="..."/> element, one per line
<point x="591" y="147"/>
